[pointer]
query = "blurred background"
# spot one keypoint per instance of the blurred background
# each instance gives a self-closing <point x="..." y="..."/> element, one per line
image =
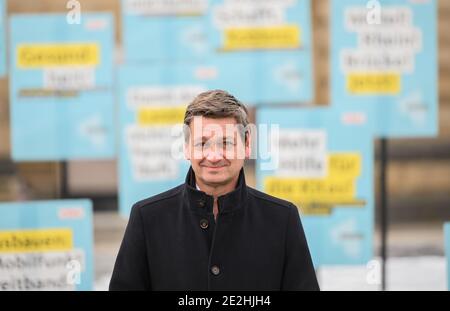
<point x="418" y="169"/>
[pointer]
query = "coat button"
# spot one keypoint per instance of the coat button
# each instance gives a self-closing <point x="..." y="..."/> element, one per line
<point x="215" y="270"/>
<point x="204" y="224"/>
<point x="201" y="203"/>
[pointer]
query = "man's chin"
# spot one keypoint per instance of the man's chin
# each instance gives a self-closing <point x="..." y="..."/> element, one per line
<point x="214" y="172"/>
<point x="214" y="179"/>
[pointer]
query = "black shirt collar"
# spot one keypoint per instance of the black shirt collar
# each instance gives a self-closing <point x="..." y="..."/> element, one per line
<point x="199" y="201"/>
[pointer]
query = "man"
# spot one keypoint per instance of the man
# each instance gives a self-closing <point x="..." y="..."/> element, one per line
<point x="214" y="232"/>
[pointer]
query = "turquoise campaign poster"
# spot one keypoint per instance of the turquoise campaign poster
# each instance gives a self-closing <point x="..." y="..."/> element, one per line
<point x="61" y="87"/>
<point x="321" y="160"/>
<point x="263" y="49"/>
<point x="2" y="38"/>
<point x="259" y="51"/>
<point x="153" y="100"/>
<point x="161" y="30"/>
<point x="46" y="245"/>
<point x="384" y="58"/>
<point x="447" y="251"/>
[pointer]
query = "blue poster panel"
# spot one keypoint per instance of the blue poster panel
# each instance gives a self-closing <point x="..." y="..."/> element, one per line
<point x="61" y="89"/>
<point x="153" y="100"/>
<point x="161" y="30"/>
<point x="263" y="49"/>
<point x="46" y="245"/>
<point x="384" y="58"/>
<point x="322" y="161"/>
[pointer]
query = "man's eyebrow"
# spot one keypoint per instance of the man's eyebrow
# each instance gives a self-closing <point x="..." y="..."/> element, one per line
<point x="229" y="138"/>
<point x="198" y="139"/>
<point x="203" y="138"/>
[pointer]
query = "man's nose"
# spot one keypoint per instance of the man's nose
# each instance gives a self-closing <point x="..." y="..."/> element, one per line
<point x="214" y="153"/>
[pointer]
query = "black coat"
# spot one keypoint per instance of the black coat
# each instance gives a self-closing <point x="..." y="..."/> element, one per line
<point x="172" y="242"/>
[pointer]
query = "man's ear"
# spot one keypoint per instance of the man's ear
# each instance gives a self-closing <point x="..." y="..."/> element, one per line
<point x="187" y="150"/>
<point x="248" y="145"/>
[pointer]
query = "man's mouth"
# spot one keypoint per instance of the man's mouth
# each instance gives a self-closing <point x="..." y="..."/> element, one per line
<point x="214" y="167"/>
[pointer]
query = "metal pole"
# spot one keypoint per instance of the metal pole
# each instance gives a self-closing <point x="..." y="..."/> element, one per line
<point x="384" y="209"/>
<point x="63" y="193"/>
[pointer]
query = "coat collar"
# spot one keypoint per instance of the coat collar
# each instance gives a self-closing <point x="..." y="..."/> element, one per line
<point x="199" y="201"/>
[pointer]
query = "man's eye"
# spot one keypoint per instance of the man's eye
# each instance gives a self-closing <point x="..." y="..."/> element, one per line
<point x="229" y="143"/>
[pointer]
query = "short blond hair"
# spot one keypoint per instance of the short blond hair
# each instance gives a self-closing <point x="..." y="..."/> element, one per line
<point x="217" y="104"/>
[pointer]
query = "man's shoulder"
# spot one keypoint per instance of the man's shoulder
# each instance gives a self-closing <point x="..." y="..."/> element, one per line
<point x="160" y="199"/>
<point x="268" y="200"/>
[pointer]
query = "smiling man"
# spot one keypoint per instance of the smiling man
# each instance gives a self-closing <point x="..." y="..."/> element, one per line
<point x="214" y="232"/>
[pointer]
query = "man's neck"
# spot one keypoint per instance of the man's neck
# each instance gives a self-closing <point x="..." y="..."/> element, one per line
<point x="216" y="192"/>
<point x="219" y="190"/>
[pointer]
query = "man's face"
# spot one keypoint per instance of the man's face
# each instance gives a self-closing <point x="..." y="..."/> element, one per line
<point x="216" y="150"/>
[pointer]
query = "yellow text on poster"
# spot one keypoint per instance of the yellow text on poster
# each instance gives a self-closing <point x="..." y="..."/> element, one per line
<point x="337" y="188"/>
<point x="157" y="116"/>
<point x="34" y="56"/>
<point x="374" y="83"/>
<point x="282" y="37"/>
<point x="41" y="240"/>
<point x="344" y="165"/>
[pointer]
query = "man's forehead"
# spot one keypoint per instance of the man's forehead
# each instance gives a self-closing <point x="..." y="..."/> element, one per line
<point x="208" y="126"/>
<point x="208" y="134"/>
<point x="205" y="121"/>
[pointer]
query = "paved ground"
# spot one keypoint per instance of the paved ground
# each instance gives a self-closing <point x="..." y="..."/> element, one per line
<point x="416" y="258"/>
